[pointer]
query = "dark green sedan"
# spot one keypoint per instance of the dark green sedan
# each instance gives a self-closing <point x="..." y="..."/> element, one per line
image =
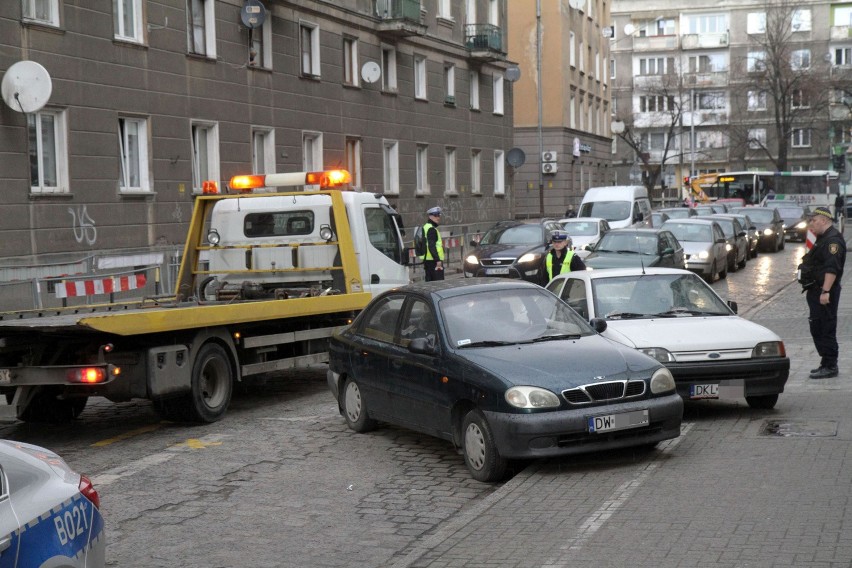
<point x="623" y="248"/>
<point x="503" y="369"/>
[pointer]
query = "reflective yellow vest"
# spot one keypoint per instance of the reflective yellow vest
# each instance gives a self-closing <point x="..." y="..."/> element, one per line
<point x="566" y="264"/>
<point x="439" y="245"/>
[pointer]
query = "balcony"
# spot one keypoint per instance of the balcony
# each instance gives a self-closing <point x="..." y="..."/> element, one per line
<point x="709" y="79"/>
<point x="655" y="43"/>
<point x="399" y="18"/>
<point x="484" y="41"/>
<point x="704" y="41"/>
<point x="657" y="120"/>
<point x="841" y="32"/>
<point x="705" y="118"/>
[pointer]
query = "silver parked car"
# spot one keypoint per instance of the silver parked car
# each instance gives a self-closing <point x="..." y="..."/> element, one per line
<point x="704" y="243"/>
<point x="49" y="515"/>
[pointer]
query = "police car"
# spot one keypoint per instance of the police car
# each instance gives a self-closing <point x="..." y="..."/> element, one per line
<point x="49" y="515"/>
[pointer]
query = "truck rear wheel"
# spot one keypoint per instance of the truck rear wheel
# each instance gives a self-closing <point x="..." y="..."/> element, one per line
<point x="46" y="406"/>
<point x="210" y="393"/>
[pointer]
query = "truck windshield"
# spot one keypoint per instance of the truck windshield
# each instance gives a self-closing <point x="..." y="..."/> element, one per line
<point x="609" y="210"/>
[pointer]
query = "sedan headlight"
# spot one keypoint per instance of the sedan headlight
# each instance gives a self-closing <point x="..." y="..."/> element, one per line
<point x="531" y="397"/>
<point x="728" y="247"/>
<point x="703" y="255"/>
<point x="660" y="354"/>
<point x="529" y="257"/>
<point x="802" y="224"/>
<point x="662" y="381"/>
<point x="769" y="349"/>
<point x="768" y="232"/>
<point x="472" y="259"/>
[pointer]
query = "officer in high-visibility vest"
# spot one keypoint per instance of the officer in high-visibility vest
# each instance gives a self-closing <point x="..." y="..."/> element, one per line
<point x="561" y="257"/>
<point x="433" y="260"/>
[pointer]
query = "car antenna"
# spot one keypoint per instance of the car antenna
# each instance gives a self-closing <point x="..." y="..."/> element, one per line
<point x="642" y="263"/>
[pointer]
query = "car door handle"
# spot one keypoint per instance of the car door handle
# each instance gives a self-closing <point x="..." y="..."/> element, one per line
<point x="5" y="543"/>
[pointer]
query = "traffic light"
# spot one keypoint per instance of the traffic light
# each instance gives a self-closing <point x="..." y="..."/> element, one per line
<point x="839" y="163"/>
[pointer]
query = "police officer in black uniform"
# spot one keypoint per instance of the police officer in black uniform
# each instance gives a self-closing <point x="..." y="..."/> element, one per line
<point x="827" y="258"/>
<point x="561" y="258"/>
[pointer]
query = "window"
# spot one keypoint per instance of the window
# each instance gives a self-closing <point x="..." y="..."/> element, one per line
<point x="709" y="139"/>
<point x="843" y="55"/>
<point x="420" y="77"/>
<point x="612" y="68"/>
<point x="382" y="233"/>
<point x="310" y="49"/>
<point x="421" y="163"/>
<point x="582" y="58"/>
<point x="390" y="163"/>
<point x="572" y="112"/>
<point x="842" y="97"/>
<point x="133" y="154"/>
<point x="652" y="141"/>
<point x="350" y="62"/>
<point x="801" y="138"/>
<point x="756" y="138"/>
<point x="260" y="54"/>
<point x="474" y="89"/>
<point x="756" y="61"/>
<point x="572" y="53"/>
<point x="471" y="12"/>
<point x="714" y="100"/>
<point x="498" y="93"/>
<point x="656" y="103"/>
<point x="353" y="160"/>
<point x="127" y="18"/>
<point x="706" y="23"/>
<point x="201" y="22"/>
<point x="652" y="65"/>
<point x="450" y="170"/>
<point x="476" y="172"/>
<point x="42" y="11"/>
<point x="598" y="65"/>
<point x="709" y="63"/>
<point x="499" y="172"/>
<point x="205" y="153"/>
<point x="48" y="149"/>
<point x="841" y="15"/>
<point x="450" y="83"/>
<point x="756" y="100"/>
<point x="388" y="69"/>
<point x="756" y="23"/>
<point x="800" y="59"/>
<point x="660" y="27"/>
<point x="494" y="12"/>
<point x="263" y="150"/>
<point x="799" y="99"/>
<point x="444" y="9"/>
<point x="312" y="151"/>
<point x="801" y="20"/>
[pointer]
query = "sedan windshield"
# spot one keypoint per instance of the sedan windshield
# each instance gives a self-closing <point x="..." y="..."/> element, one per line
<point x="791" y="212"/>
<point x="609" y="210"/>
<point x="681" y="213"/>
<point x="628" y="242"/>
<point x="761" y="215"/>
<point x="656" y="295"/>
<point x="581" y="228"/>
<point x="690" y="233"/>
<point x="514" y="235"/>
<point x="507" y="317"/>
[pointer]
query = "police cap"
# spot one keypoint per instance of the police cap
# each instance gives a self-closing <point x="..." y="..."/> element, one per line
<point x="824" y="211"/>
<point x="436" y="211"/>
<point x="558" y="236"/>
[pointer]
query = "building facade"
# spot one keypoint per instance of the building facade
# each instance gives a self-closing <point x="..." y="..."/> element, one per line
<point x="151" y="98"/>
<point x="689" y="83"/>
<point x="562" y="114"/>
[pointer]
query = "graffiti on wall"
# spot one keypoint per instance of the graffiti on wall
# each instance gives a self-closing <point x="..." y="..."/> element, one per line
<point x="83" y="225"/>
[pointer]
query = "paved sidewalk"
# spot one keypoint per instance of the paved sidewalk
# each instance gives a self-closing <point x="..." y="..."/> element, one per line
<point x="738" y="488"/>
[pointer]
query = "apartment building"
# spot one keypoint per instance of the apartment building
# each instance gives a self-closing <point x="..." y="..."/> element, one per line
<point x="562" y="113"/>
<point x="150" y="98"/>
<point x="687" y="86"/>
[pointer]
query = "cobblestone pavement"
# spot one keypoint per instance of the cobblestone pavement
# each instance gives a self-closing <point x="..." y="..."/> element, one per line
<point x="281" y="481"/>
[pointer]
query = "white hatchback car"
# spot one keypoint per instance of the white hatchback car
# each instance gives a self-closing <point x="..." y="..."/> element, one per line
<point x="49" y="515"/>
<point x="675" y="317"/>
<point x="585" y="231"/>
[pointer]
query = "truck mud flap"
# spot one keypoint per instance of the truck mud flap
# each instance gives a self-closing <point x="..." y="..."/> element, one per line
<point x="169" y="370"/>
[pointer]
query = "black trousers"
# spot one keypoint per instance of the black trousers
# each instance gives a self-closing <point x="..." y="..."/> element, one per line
<point x="431" y="273"/>
<point x="823" y="323"/>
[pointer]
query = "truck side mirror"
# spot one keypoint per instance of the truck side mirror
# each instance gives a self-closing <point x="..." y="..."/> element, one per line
<point x="406" y="256"/>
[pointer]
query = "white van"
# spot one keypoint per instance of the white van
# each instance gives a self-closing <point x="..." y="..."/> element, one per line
<point x="621" y="205"/>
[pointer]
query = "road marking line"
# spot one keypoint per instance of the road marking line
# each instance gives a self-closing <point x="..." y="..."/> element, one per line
<point x="596" y="520"/>
<point x="126" y="435"/>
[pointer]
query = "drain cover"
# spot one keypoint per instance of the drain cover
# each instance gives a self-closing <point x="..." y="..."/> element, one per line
<point x="793" y="429"/>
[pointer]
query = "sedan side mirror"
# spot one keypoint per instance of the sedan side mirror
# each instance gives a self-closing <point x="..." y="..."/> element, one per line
<point x="667" y="251"/>
<point x="722" y="241"/>
<point x="732" y="305"/>
<point x="474" y="244"/>
<point x="423" y="345"/>
<point x="598" y="324"/>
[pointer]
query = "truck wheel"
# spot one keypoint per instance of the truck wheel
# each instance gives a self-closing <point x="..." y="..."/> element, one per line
<point x="480" y="452"/>
<point x="46" y="406"/>
<point x="355" y="408"/>
<point x="212" y="384"/>
<point x="764" y="402"/>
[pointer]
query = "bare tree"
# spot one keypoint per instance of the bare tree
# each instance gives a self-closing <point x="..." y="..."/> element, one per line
<point x="782" y="78"/>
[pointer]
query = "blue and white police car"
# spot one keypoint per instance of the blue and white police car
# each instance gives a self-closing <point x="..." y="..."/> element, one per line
<point x="49" y="515"/>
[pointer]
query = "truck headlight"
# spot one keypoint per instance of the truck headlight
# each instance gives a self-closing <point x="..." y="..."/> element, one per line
<point x="213" y="237"/>
<point x="531" y="397"/>
<point x="660" y="354"/>
<point x="769" y="349"/>
<point x="662" y="381"/>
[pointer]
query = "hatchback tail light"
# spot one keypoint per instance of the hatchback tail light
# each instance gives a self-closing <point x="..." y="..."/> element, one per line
<point x="88" y="491"/>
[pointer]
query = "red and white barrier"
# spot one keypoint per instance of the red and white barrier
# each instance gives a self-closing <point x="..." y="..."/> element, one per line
<point x="810" y="240"/>
<point x="74" y="288"/>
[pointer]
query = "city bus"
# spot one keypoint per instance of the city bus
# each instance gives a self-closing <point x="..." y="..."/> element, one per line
<point x="812" y="188"/>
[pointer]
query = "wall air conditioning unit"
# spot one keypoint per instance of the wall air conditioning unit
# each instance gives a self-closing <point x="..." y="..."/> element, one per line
<point x="548" y="156"/>
<point x="549" y="168"/>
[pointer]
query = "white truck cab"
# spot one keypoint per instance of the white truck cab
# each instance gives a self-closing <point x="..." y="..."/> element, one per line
<point x="289" y="242"/>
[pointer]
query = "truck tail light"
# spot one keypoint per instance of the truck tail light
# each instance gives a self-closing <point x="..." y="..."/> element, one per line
<point x="88" y="491"/>
<point x="92" y="375"/>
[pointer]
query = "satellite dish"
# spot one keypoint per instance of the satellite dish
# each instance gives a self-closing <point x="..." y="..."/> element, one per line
<point x="26" y="86"/>
<point x="629" y="29"/>
<point x="516" y="157"/>
<point x="608" y="32"/>
<point x="371" y="72"/>
<point x="253" y="14"/>
<point x="513" y="74"/>
<point x="577" y="4"/>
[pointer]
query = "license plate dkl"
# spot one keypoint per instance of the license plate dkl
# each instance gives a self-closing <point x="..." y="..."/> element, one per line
<point x="620" y="421"/>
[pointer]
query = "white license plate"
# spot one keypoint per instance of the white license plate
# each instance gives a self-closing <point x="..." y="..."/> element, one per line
<point x="726" y="389"/>
<point x="621" y="421"/>
<point x="704" y="391"/>
<point x="5" y="376"/>
<point x="496" y="271"/>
